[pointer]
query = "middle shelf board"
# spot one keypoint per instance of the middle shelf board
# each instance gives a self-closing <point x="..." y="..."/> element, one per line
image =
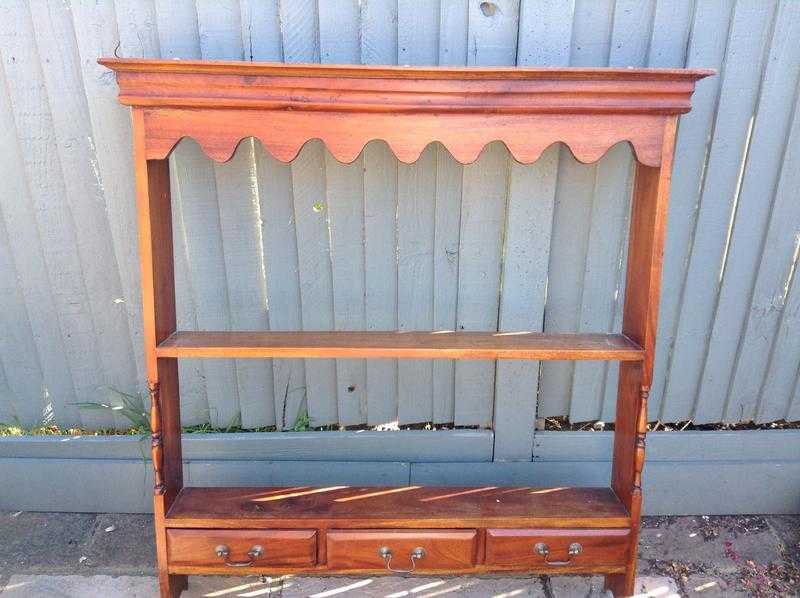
<point x="404" y="345"/>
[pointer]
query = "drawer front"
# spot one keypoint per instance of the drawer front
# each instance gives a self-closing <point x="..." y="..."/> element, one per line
<point x="393" y="550"/>
<point x="241" y="548"/>
<point x="556" y="547"/>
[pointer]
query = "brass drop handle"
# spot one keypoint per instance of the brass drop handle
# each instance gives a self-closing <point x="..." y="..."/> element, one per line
<point x="386" y="554"/>
<point x="544" y="550"/>
<point x="224" y="552"/>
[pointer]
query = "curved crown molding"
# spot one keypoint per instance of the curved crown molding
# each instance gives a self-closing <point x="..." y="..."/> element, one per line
<point x="284" y="106"/>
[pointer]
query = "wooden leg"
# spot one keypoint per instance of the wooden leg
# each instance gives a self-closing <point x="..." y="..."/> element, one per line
<point x="622" y="584"/>
<point x="171" y="586"/>
<point x="626" y="477"/>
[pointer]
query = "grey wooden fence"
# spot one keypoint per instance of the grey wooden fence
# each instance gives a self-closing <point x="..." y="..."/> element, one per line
<point x="380" y="245"/>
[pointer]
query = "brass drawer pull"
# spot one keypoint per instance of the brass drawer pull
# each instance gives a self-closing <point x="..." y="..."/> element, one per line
<point x="386" y="554"/>
<point x="544" y="550"/>
<point x="224" y="552"/>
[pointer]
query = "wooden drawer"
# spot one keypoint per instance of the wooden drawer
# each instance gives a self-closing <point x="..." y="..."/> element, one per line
<point x="200" y="547"/>
<point x="361" y="549"/>
<point x="525" y="547"/>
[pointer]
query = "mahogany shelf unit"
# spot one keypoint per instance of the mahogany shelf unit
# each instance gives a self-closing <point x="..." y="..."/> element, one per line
<point x="343" y="529"/>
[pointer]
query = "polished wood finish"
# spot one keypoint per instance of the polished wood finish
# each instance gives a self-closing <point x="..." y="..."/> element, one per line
<point x="445" y="550"/>
<point x="516" y="548"/>
<point x="158" y="315"/>
<point x="340" y="529"/>
<point x="640" y="323"/>
<point x="396" y="507"/>
<point x="414" y="345"/>
<point x="190" y="550"/>
<point x="345" y="106"/>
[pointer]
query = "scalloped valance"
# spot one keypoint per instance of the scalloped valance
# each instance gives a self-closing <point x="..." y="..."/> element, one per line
<point x="284" y="105"/>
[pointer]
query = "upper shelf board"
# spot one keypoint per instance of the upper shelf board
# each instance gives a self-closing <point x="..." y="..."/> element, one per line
<point x="285" y="105"/>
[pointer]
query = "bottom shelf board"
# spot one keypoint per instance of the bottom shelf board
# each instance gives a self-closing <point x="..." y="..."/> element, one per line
<point x="397" y="507"/>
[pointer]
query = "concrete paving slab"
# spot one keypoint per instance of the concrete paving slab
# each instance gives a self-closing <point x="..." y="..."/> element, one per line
<point x="710" y="586"/>
<point x="368" y="587"/>
<point x="40" y="542"/>
<point x="787" y="528"/>
<point x="656" y="587"/>
<point x="574" y="585"/>
<point x="77" y="586"/>
<point x="723" y="543"/>
<point x="121" y="545"/>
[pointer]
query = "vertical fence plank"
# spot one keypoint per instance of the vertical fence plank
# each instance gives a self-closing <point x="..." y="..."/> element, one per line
<point x="197" y="209"/>
<point x="378" y="32"/>
<point x="96" y="35"/>
<point x="283" y="283"/>
<point x="26" y="270"/>
<point x="22" y="381"/>
<point x="220" y="27"/>
<point x="591" y="33"/>
<point x="793" y="413"/>
<point x="261" y="36"/>
<point x="379" y="46"/>
<point x="345" y="190"/>
<point x="669" y="34"/>
<point x="418" y="32"/>
<point x="772" y="122"/>
<point x="85" y="194"/>
<point x="544" y="40"/>
<point x="176" y="37"/>
<point x="240" y="217"/>
<point x="316" y="286"/>
<point x="417" y="44"/>
<point x="261" y="30"/>
<point x="416" y="188"/>
<point x="601" y="284"/>
<point x="7" y="399"/>
<point x="545" y="34"/>
<point x="481" y="244"/>
<point x="784" y="366"/>
<point x="492" y="40"/>
<point x="529" y="221"/>
<point x="339" y="29"/>
<point x="740" y="81"/>
<point x="707" y="47"/>
<point x="453" y="28"/>
<point x="300" y="32"/>
<point x="54" y="209"/>
<point x="770" y="294"/>
<point x="602" y="293"/>
<point x="380" y="243"/>
<point x="446" y="233"/>
<point x="672" y="23"/>
<point x="199" y="212"/>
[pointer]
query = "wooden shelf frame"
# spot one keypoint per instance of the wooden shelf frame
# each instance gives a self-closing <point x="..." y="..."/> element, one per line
<point x="590" y="110"/>
<point x="401" y="345"/>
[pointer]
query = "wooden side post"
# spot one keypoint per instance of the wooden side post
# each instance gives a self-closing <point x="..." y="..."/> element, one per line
<point x="158" y="313"/>
<point x="640" y="323"/>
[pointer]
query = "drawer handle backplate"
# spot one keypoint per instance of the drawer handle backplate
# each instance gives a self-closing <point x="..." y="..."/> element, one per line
<point x="224" y="552"/>
<point x="544" y="550"/>
<point x="386" y="554"/>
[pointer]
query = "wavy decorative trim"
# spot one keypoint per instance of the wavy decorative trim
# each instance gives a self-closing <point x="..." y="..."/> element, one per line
<point x="283" y="134"/>
<point x="285" y="106"/>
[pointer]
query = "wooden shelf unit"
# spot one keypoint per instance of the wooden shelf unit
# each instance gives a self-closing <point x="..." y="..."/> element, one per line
<point x="350" y="530"/>
<point x="403" y="345"/>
